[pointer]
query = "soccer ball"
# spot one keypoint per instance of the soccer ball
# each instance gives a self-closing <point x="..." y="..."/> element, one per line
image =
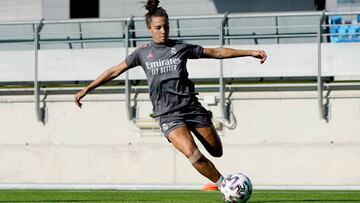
<point x="236" y="188"/>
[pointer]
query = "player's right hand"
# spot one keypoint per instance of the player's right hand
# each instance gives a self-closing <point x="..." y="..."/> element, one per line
<point x="78" y="96"/>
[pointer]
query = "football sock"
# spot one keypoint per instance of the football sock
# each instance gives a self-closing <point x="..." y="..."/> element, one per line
<point x="218" y="183"/>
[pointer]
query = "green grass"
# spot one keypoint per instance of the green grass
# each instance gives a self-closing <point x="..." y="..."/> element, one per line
<point x="107" y="196"/>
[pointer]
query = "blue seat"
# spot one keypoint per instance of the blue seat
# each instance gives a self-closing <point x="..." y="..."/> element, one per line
<point x="354" y="33"/>
<point x="358" y="18"/>
<point x="334" y="37"/>
<point x="344" y="33"/>
<point x="335" y="20"/>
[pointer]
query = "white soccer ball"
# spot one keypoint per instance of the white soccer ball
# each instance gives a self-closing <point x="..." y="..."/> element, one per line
<point x="236" y="188"/>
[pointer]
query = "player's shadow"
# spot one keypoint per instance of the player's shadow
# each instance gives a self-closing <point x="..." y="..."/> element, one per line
<point x="49" y="201"/>
<point x="311" y="200"/>
<point x="94" y="200"/>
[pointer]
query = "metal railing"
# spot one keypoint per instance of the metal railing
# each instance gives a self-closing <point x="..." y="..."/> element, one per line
<point x="219" y="33"/>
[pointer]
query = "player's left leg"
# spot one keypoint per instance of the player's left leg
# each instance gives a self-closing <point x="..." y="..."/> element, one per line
<point x="210" y="139"/>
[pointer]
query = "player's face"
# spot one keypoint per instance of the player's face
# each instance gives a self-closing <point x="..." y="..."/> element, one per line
<point x="159" y="29"/>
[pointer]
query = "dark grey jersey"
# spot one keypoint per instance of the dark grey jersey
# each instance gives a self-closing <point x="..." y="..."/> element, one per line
<point x="165" y="69"/>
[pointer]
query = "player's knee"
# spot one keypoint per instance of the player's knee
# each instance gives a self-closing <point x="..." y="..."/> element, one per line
<point x="195" y="156"/>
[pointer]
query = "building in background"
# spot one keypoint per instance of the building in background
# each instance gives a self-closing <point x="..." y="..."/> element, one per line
<point x="67" y="9"/>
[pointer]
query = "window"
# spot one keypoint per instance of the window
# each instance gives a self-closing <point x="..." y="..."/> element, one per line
<point x="348" y="2"/>
<point x="84" y="9"/>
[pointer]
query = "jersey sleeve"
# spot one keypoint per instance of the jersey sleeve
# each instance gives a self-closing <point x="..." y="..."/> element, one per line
<point x="133" y="59"/>
<point x="195" y="51"/>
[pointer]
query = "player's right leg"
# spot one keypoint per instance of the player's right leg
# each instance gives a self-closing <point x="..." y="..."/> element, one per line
<point x="182" y="140"/>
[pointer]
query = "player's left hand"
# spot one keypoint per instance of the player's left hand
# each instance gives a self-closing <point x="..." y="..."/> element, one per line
<point x="260" y="54"/>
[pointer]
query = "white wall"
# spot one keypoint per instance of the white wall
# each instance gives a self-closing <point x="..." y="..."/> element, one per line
<point x="126" y="8"/>
<point x="56" y="9"/>
<point x="279" y="140"/>
<point x="333" y="5"/>
<point x="59" y="9"/>
<point x="338" y="60"/>
<point x="20" y="10"/>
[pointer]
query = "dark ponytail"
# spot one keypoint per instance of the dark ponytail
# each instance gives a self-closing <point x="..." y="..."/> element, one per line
<point x="154" y="10"/>
<point x="152" y="5"/>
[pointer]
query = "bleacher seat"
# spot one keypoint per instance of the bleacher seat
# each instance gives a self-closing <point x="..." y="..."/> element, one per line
<point x="252" y="26"/>
<point x="343" y="33"/>
<point x="354" y="32"/>
<point x="200" y="28"/>
<point x="143" y="36"/>
<point x="293" y="25"/>
<point x="21" y="32"/>
<point x="62" y="32"/>
<point x="103" y="30"/>
<point x="343" y="30"/>
<point x="140" y="29"/>
<point x="334" y="30"/>
<point x="335" y="20"/>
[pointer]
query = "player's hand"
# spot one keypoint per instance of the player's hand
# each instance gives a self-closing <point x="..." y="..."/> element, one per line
<point x="260" y="54"/>
<point x="78" y="96"/>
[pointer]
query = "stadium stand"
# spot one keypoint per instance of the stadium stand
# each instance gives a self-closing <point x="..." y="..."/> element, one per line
<point x="67" y="43"/>
<point x="16" y="36"/>
<point x="344" y="30"/>
<point x="60" y="35"/>
<point x="302" y="28"/>
<point x="335" y="22"/>
<point x="238" y="29"/>
<point x="354" y="33"/>
<point x="261" y="28"/>
<point x="273" y="28"/>
<point x="105" y="30"/>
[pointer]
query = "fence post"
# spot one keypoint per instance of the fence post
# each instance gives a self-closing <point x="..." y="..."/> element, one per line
<point x="128" y="24"/>
<point x="38" y="111"/>
<point x="221" y="74"/>
<point x="319" y="76"/>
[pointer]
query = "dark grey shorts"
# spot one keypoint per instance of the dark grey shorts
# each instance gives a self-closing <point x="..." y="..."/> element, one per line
<point x="192" y="116"/>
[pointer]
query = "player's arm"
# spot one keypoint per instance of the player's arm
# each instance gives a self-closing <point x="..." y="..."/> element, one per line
<point x="224" y="53"/>
<point x="106" y="76"/>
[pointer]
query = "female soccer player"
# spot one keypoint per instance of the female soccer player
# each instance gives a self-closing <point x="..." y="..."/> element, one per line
<point x="171" y="92"/>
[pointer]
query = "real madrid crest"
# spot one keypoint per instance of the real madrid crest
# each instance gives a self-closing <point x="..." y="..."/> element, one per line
<point x="173" y="51"/>
<point x="164" y="127"/>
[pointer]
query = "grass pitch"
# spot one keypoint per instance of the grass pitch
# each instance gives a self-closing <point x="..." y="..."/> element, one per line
<point x="94" y="196"/>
